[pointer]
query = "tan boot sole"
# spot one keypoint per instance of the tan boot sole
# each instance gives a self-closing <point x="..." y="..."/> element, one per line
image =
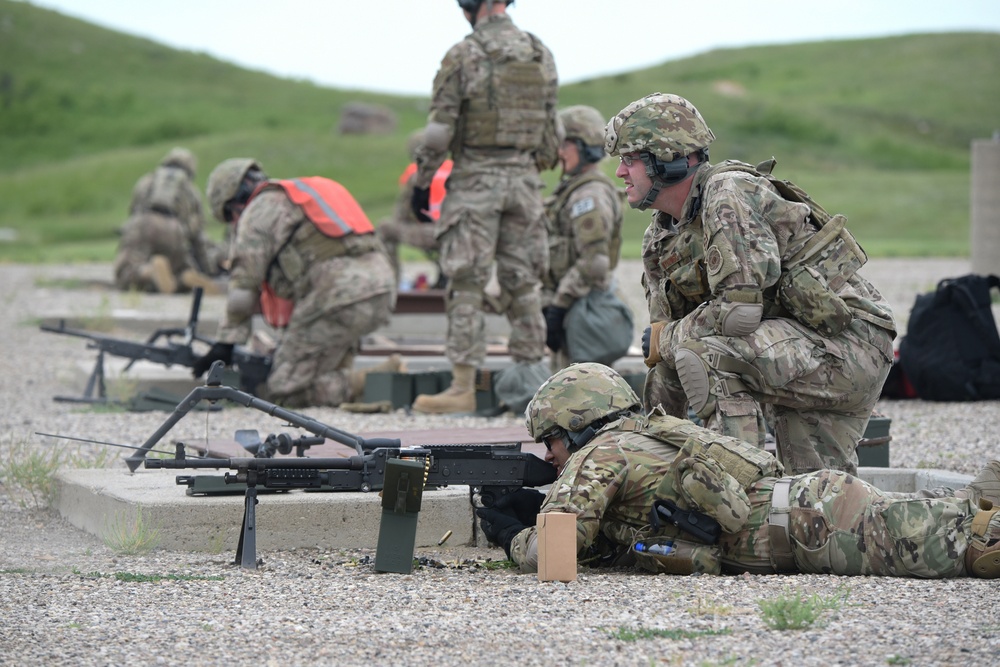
<point x="987" y="566"/>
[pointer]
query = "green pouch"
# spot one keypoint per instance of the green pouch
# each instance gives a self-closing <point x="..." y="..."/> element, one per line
<point x="808" y="298"/>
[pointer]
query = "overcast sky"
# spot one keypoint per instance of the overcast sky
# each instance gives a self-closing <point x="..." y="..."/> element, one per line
<point x="395" y="46"/>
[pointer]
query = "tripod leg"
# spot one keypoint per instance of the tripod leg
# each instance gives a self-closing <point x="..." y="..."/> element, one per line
<point x="246" y="552"/>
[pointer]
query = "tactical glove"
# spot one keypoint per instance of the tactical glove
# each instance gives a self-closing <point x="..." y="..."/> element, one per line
<point x="420" y="203"/>
<point x="524" y="503"/>
<point x="554" y="334"/>
<point x="499" y="527"/>
<point x="651" y="343"/>
<point x="220" y="352"/>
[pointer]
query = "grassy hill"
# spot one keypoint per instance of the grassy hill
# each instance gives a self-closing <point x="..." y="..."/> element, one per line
<point x="877" y="129"/>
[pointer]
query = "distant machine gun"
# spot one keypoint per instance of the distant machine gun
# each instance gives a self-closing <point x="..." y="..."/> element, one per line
<point x="169" y="347"/>
<point x="491" y="471"/>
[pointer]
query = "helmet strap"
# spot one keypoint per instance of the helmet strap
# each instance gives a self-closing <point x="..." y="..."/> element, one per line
<point x="664" y="174"/>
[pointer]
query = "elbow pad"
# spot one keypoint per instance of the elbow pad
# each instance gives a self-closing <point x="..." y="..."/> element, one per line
<point x="437" y="136"/>
<point x="741" y="312"/>
<point x="241" y="303"/>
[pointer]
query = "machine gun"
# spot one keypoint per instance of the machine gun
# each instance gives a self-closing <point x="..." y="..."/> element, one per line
<point x="492" y="471"/>
<point x="176" y="348"/>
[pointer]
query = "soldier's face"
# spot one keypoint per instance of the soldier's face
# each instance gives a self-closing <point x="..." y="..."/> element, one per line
<point x="569" y="155"/>
<point x="556" y="452"/>
<point x="632" y="170"/>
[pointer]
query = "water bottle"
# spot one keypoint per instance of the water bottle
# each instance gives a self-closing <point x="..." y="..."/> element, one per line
<point x="660" y="549"/>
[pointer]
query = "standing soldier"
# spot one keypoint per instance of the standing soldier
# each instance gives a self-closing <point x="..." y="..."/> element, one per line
<point x="404" y="227"/>
<point x="307" y="254"/>
<point x="754" y="295"/>
<point x="584" y="223"/>
<point x="494" y="109"/>
<point x="163" y="246"/>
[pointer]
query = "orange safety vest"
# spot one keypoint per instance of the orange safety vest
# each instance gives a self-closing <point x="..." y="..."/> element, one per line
<point x="329" y="206"/>
<point x="438" y="189"/>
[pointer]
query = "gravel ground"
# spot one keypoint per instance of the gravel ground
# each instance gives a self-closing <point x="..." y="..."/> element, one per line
<point x="66" y="598"/>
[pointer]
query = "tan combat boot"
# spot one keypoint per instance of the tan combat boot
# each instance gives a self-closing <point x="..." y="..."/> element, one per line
<point x="985" y="486"/>
<point x="460" y="397"/>
<point x="982" y="558"/>
<point x="394" y="364"/>
<point x="157" y="270"/>
<point x="191" y="278"/>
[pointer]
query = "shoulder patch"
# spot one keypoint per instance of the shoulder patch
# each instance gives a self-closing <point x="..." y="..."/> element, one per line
<point x="585" y="205"/>
<point x="714" y="260"/>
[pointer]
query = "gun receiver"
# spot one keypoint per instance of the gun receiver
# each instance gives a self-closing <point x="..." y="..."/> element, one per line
<point x="252" y="368"/>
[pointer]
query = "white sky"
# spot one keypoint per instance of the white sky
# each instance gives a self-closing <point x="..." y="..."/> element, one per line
<point x="395" y="46"/>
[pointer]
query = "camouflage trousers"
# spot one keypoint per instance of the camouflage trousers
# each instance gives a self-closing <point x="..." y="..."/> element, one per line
<point x="817" y="393"/>
<point x="145" y="235"/>
<point x="312" y="365"/>
<point x="405" y="232"/>
<point x="839" y="524"/>
<point x="493" y="217"/>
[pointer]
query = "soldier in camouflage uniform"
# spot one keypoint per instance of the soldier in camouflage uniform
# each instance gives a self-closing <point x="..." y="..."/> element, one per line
<point x="584" y="225"/>
<point x="303" y="244"/>
<point x="754" y="299"/>
<point x="493" y="109"/>
<point x="404" y="228"/>
<point x="163" y="246"/>
<point x="616" y="465"/>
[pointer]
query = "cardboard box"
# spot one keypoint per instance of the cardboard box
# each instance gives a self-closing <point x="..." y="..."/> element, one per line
<point x="556" y="546"/>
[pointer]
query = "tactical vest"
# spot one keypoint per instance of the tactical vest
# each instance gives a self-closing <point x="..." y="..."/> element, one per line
<point x="339" y="227"/>
<point x="512" y="113"/>
<point x="438" y="185"/>
<point x="746" y="463"/>
<point x="166" y="190"/>
<point x="559" y="266"/>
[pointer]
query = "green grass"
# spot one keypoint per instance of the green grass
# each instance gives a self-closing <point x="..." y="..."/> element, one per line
<point x="797" y="611"/>
<point x="877" y="129"/>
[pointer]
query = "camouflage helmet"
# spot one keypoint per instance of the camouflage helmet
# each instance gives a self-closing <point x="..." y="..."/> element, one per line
<point x="576" y="397"/>
<point x="583" y="123"/>
<point x="667" y="126"/>
<point x="224" y="183"/>
<point x="181" y="158"/>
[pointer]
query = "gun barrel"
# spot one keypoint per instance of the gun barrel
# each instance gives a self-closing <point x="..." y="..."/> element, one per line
<point x="255" y="464"/>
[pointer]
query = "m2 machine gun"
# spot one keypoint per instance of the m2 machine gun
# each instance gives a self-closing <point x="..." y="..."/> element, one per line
<point x="492" y="471"/>
<point x="168" y="347"/>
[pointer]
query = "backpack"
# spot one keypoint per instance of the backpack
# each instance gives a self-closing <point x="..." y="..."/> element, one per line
<point x="951" y="350"/>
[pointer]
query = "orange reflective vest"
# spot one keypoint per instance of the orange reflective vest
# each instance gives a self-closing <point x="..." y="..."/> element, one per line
<point x="438" y="189"/>
<point x="329" y="206"/>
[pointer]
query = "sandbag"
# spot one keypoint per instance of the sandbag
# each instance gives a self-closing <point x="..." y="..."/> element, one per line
<point x="599" y="328"/>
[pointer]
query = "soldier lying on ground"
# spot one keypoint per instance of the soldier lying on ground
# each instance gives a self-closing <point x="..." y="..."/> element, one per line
<point x="616" y="465"/>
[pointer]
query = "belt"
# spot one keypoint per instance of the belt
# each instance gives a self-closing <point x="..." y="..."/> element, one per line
<point x="777" y="529"/>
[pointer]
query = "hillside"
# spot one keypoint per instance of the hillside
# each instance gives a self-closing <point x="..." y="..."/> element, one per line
<point x="877" y="129"/>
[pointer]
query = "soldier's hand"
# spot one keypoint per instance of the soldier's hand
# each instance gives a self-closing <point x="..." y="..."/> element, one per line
<point x="220" y="352"/>
<point x="651" y="343"/>
<point x="420" y="203"/>
<point x="524" y="503"/>
<point x="554" y="334"/>
<point x="499" y="527"/>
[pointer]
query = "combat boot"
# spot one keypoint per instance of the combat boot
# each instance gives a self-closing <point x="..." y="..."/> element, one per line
<point x="460" y="397"/>
<point x="191" y="278"/>
<point x="985" y="486"/>
<point x="158" y="272"/>
<point x="982" y="558"/>
<point x="394" y="364"/>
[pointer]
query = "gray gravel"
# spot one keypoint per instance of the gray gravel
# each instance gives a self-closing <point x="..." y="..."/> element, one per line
<point x="63" y="600"/>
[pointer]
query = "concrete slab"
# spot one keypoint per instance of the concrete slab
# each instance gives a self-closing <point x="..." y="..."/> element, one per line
<point x="93" y="500"/>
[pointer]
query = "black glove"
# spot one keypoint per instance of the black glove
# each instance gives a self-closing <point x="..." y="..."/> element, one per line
<point x="499" y="527"/>
<point x="554" y="334"/>
<point x="645" y="342"/>
<point x="420" y="202"/>
<point x="524" y="503"/>
<point x="220" y="352"/>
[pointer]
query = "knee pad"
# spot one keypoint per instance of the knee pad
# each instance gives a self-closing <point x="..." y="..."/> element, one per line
<point x="693" y="374"/>
<point x="463" y="295"/>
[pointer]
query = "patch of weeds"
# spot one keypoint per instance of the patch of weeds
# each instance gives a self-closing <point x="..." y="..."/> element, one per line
<point x="795" y="611"/>
<point x="16" y="570"/>
<point x="73" y="625"/>
<point x="898" y="660"/>
<point x="498" y="565"/>
<point x="102" y="320"/>
<point x="635" y="634"/>
<point x="153" y="578"/>
<point x="62" y="283"/>
<point x="131" y="536"/>
<point x="29" y="472"/>
<point x="704" y="609"/>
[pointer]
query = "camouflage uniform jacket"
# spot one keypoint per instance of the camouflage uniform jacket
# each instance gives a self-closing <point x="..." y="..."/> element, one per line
<point x="168" y="190"/>
<point x="731" y="245"/>
<point x="611" y="483"/>
<point x="584" y="224"/>
<point x="275" y="243"/>
<point x="465" y="75"/>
